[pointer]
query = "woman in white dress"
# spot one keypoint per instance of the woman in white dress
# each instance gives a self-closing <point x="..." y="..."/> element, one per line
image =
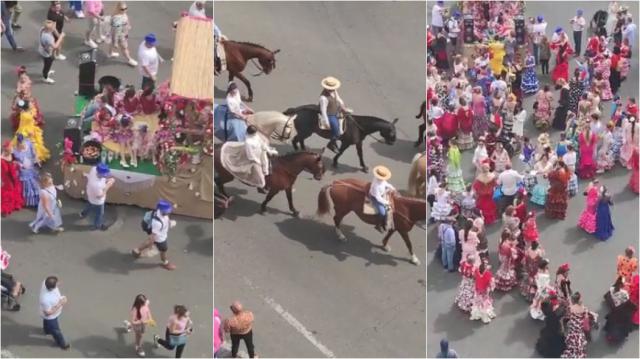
<point x="543" y="286"/>
<point x="442" y="205"/>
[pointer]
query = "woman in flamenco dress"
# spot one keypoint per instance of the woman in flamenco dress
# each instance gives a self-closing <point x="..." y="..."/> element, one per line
<point x="11" y="186"/>
<point x="618" y="321"/>
<point x="576" y="339"/>
<point x="469" y="242"/>
<point x="23" y="92"/>
<point x="631" y="134"/>
<point x="542" y="107"/>
<point x="543" y="289"/>
<point x="484" y="186"/>
<point x="464" y="298"/>
<point x="587" y="219"/>
<point x="31" y="132"/>
<point x="482" y="307"/>
<point x="604" y="225"/>
<point x="557" y="195"/>
<point x="532" y="258"/>
<point x="506" y="275"/>
<point x="603" y="66"/>
<point x="455" y="182"/>
<point x="465" y="122"/>
<point x="634" y="180"/>
<point x="586" y="144"/>
<point x="480" y="123"/>
<point x="530" y="82"/>
<point x="551" y="342"/>
<point x="561" y="70"/>
<point x="576" y="90"/>
<point x="25" y="156"/>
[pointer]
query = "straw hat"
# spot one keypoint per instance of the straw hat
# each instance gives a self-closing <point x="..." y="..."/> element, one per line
<point x="382" y="173"/>
<point x="330" y="83"/>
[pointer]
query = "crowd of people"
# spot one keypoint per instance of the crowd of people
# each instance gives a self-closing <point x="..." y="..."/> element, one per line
<point x="477" y="102"/>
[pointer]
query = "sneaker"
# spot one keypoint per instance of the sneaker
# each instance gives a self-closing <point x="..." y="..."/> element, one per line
<point x="114" y="54"/>
<point x="16" y="26"/>
<point x="61" y="57"/>
<point x="51" y="72"/>
<point x="168" y="266"/>
<point x="141" y="353"/>
<point x="33" y="230"/>
<point x="133" y="63"/>
<point x="127" y="326"/>
<point x="155" y="341"/>
<point x="50" y="81"/>
<point x="91" y="44"/>
<point x="59" y="229"/>
<point x="81" y="215"/>
<point x="79" y="14"/>
<point x="65" y="347"/>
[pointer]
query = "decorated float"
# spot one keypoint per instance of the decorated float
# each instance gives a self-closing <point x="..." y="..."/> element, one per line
<point x="157" y="142"/>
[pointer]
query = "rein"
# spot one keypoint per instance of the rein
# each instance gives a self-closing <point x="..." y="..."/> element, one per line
<point x="259" y="68"/>
<point x="281" y="137"/>
<point x="362" y="129"/>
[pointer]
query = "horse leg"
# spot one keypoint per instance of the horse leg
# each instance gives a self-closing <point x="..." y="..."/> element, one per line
<point x="289" y="192"/>
<point x="407" y="241"/>
<point x="248" y="84"/>
<point x="270" y="195"/>
<point x="220" y="186"/>
<point x="385" y="240"/>
<point x="336" y="221"/>
<point x="302" y="145"/>
<point x="363" y="167"/>
<point x="294" y="142"/>
<point x="343" y="147"/>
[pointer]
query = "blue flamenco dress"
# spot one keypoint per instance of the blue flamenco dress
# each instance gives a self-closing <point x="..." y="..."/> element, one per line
<point x="28" y="173"/>
<point x="235" y="129"/>
<point x="604" y="225"/>
<point x="530" y="82"/>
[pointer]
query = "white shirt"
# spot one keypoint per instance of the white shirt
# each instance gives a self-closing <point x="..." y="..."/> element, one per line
<point x="539" y="30"/>
<point x="148" y="57"/>
<point x="48" y="299"/>
<point x="509" y="181"/>
<point x="254" y="147"/>
<point x="578" y="23"/>
<point x="432" y="185"/>
<point x="379" y="189"/>
<point x="479" y="154"/>
<point x="96" y="187"/>
<point x="160" y="228"/>
<point x="324" y="103"/>
<point x="570" y="160"/>
<point x="234" y="102"/>
<point x="454" y="29"/>
<point x="499" y="85"/>
<point x="193" y="11"/>
<point x="518" y="123"/>
<point x="436" y="16"/>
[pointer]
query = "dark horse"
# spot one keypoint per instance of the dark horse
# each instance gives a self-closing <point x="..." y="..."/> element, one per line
<point x="347" y="195"/>
<point x="237" y="55"/>
<point x="423" y="127"/>
<point x="357" y="128"/>
<point x="285" y="171"/>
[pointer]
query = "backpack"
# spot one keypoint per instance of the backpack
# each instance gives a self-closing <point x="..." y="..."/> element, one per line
<point x="147" y="219"/>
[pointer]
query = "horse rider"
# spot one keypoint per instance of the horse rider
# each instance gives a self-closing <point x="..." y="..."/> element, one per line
<point x="258" y="154"/>
<point x="332" y="107"/>
<point x="378" y="193"/>
<point x="217" y="36"/>
<point x="235" y="104"/>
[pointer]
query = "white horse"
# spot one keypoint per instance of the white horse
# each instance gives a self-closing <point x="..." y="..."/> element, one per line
<point x="273" y="125"/>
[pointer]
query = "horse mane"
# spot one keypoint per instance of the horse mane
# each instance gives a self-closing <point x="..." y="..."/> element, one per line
<point x="291" y="154"/>
<point x="253" y="44"/>
<point x="370" y="119"/>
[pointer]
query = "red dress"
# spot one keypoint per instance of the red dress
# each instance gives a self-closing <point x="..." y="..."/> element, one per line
<point x="465" y="120"/>
<point x="148" y="105"/>
<point x="131" y="104"/>
<point x="633" y="297"/>
<point x="587" y="165"/>
<point x="484" y="201"/>
<point x="530" y="231"/>
<point x="11" y="188"/>
<point x="634" y="181"/>
<point x="561" y="71"/>
<point x="447" y="125"/>
<point x="521" y="211"/>
<point x="557" y="195"/>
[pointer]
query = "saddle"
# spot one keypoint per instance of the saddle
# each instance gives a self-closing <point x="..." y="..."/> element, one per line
<point x="369" y="209"/>
<point x="326" y="127"/>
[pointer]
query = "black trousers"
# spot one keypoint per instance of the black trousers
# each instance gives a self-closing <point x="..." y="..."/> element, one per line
<point x="48" y="61"/>
<point x="577" y="39"/>
<point x="544" y="65"/>
<point x="248" y="341"/>
<point x="507" y="201"/>
<point x="165" y="343"/>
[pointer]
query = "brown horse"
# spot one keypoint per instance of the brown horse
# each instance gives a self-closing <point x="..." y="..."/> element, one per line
<point x="239" y="53"/>
<point x="418" y="176"/>
<point x="348" y="195"/>
<point x="285" y="171"/>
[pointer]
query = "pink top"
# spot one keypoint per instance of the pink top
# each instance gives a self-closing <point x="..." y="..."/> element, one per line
<point x="217" y="337"/>
<point x="145" y="314"/>
<point x="93" y="7"/>
<point x="180" y="325"/>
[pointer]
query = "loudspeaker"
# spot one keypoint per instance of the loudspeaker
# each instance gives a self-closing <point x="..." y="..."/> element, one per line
<point x="87" y="74"/>
<point x="520" y="35"/>
<point x="75" y="135"/>
<point x="467" y="25"/>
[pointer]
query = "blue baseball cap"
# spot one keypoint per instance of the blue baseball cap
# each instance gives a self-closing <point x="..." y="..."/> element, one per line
<point x="164" y="206"/>
<point x="102" y="169"/>
<point x="150" y="39"/>
<point x="540" y="18"/>
<point x="558" y="30"/>
<point x="440" y="2"/>
<point x="579" y="12"/>
<point x="20" y="137"/>
<point x="456" y="13"/>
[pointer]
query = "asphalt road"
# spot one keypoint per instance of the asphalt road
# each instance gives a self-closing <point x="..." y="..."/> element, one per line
<point x="312" y="295"/>
<point x="593" y="263"/>
<point x="97" y="273"/>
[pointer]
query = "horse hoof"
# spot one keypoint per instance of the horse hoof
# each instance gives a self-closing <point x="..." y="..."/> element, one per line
<point x="335" y="165"/>
<point x="296" y="214"/>
<point x="387" y="248"/>
<point x="262" y="211"/>
<point x="365" y="169"/>
<point x="415" y="260"/>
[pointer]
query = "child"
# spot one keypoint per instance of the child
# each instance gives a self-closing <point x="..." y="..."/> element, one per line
<point x="527" y="152"/>
<point x="148" y="101"/>
<point x="432" y="186"/>
<point x="570" y="159"/>
<point x="130" y="102"/>
<point x="530" y="229"/>
<point x="468" y="203"/>
<point x="561" y="146"/>
<point x="511" y="222"/>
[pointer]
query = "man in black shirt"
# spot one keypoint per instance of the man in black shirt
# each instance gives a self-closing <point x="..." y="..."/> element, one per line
<point x="56" y="15"/>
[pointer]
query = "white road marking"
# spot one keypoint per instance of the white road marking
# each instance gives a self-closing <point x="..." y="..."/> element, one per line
<point x="4" y="353"/>
<point x="225" y="351"/>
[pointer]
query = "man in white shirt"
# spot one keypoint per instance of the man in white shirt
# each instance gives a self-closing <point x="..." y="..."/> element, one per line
<point x="160" y="224"/>
<point x="578" y="23"/>
<point x="197" y="10"/>
<point x="437" y="22"/>
<point x="257" y="153"/>
<point x="509" y="179"/>
<point x="148" y="60"/>
<point x="378" y="194"/>
<point x="234" y="102"/>
<point x="629" y="32"/>
<point x="51" y="303"/>
<point x="539" y="30"/>
<point x="454" y="28"/>
<point x="97" y="187"/>
<point x="499" y="84"/>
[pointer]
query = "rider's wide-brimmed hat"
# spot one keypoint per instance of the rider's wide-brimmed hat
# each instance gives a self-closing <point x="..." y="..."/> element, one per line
<point x="382" y="173"/>
<point x="330" y="83"/>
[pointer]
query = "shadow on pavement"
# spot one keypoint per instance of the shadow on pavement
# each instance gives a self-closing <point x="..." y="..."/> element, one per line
<point x="113" y="261"/>
<point x="198" y="244"/>
<point x="23" y="335"/>
<point x="401" y="151"/>
<point x="449" y="324"/>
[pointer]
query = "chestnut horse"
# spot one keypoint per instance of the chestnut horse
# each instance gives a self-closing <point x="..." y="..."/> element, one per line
<point x="239" y="53"/>
<point x="285" y="171"/>
<point x="418" y="176"/>
<point x="347" y="195"/>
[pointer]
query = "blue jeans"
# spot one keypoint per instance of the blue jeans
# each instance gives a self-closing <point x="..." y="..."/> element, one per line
<point x="334" y="123"/>
<point x="75" y="5"/>
<point x="447" y="256"/>
<point x="8" y="32"/>
<point x="380" y="208"/>
<point x="51" y="327"/>
<point x="98" y="209"/>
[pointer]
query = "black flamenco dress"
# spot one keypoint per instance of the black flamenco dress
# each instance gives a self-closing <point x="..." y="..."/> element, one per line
<point x="551" y="342"/>
<point x="560" y="117"/>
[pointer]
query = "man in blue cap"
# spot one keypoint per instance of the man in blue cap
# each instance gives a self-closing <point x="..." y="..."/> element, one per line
<point x="437" y="22"/>
<point x="539" y="30"/>
<point x="159" y="223"/>
<point x="98" y="184"/>
<point x="454" y="28"/>
<point x="148" y="60"/>
<point x="578" y="23"/>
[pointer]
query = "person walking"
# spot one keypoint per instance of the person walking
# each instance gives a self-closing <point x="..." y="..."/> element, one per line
<point x="509" y="179"/>
<point x="158" y="224"/>
<point x="56" y="15"/>
<point x="178" y="327"/>
<point x="94" y="10"/>
<point x="48" y="214"/>
<point x="140" y="316"/>
<point x="240" y="326"/>
<point x="447" y="236"/>
<point x="148" y="61"/>
<point x="51" y="303"/>
<point x="578" y="23"/>
<point x="437" y="22"/>
<point x="76" y="7"/>
<point x="539" y="30"/>
<point x="218" y="333"/>
<point x="7" y="28"/>
<point x="97" y="187"/>
<point x="47" y="46"/>
<point x="120" y="27"/>
<point x="445" y="351"/>
<point x="16" y="10"/>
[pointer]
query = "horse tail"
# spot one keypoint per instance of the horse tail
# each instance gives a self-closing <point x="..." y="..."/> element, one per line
<point x="324" y="201"/>
<point x="413" y="176"/>
<point x="423" y="108"/>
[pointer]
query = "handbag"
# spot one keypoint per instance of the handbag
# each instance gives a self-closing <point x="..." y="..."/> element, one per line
<point x="497" y="193"/>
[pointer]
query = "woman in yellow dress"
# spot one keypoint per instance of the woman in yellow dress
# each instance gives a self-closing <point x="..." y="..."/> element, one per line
<point x="28" y="128"/>
<point x="497" y="56"/>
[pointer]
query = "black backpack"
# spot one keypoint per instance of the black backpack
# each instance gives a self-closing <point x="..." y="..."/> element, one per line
<point x="147" y="219"/>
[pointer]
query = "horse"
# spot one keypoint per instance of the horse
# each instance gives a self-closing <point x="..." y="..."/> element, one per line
<point x="285" y="171"/>
<point x="272" y="125"/>
<point x="221" y="203"/>
<point x="418" y="176"/>
<point x="357" y="128"/>
<point x="347" y="195"/>
<point x="238" y="53"/>
<point x="423" y="126"/>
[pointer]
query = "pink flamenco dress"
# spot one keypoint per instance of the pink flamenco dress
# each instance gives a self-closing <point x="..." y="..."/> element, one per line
<point x="587" y="165"/>
<point x="587" y="219"/>
<point x="482" y="307"/>
<point x="634" y="181"/>
<point x="506" y="275"/>
<point x="464" y="298"/>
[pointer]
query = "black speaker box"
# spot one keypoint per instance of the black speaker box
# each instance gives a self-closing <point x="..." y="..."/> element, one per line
<point x="467" y="26"/>
<point x="520" y="30"/>
<point x="87" y="74"/>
